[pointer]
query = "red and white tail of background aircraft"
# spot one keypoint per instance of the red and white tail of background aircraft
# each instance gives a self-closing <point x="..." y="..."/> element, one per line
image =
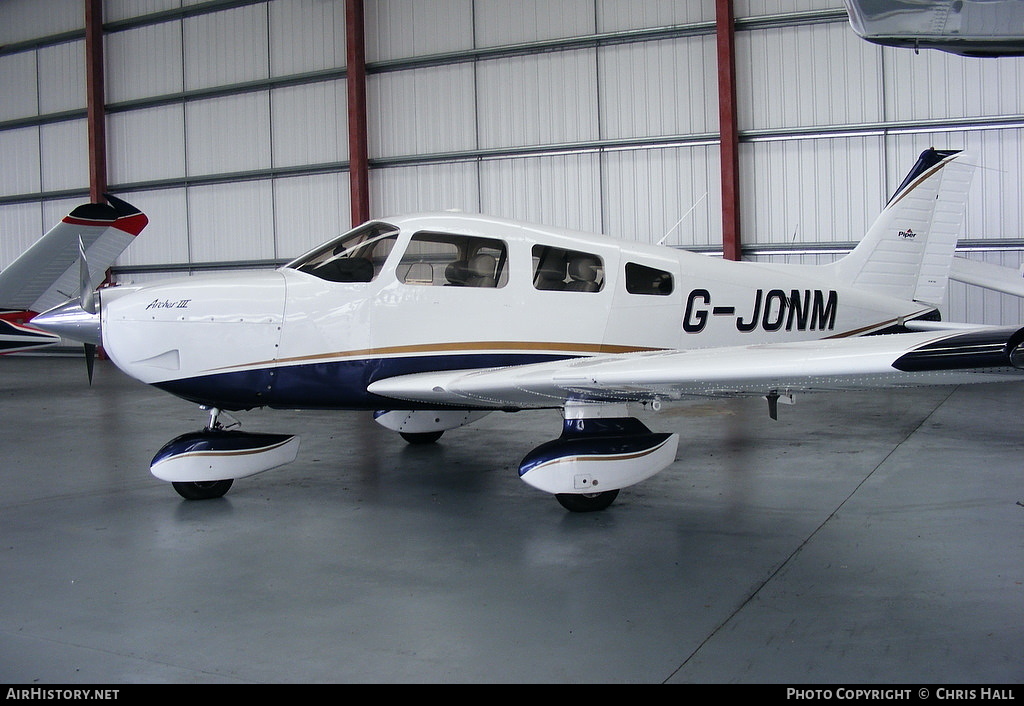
<point x="432" y="321"/>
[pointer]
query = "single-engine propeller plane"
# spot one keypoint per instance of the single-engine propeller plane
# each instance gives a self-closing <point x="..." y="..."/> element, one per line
<point x="432" y="321"/>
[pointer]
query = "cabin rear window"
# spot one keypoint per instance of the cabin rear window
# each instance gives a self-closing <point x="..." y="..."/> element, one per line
<point x="357" y="256"/>
<point x="555" y="269"/>
<point x="448" y="260"/>
<point x="641" y="279"/>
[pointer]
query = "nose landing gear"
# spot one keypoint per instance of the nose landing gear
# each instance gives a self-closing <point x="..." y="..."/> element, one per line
<point x="202" y="465"/>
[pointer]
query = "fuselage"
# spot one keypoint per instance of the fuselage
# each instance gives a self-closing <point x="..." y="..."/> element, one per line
<point x="453" y="291"/>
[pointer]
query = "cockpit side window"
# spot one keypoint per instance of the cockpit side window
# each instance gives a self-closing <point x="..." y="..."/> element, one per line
<point x="357" y="256"/>
<point x="449" y="260"/>
<point x="566" y="270"/>
<point x="641" y="279"/>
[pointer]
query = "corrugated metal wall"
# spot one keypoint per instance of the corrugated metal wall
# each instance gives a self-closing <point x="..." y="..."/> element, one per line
<point x="226" y="124"/>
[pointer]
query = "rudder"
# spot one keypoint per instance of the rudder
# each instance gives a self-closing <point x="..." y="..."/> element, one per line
<point x="908" y="251"/>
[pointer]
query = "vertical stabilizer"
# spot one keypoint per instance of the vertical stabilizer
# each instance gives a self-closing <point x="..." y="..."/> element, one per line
<point x="908" y="251"/>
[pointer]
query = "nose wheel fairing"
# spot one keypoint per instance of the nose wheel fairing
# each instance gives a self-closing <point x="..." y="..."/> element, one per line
<point x="220" y="455"/>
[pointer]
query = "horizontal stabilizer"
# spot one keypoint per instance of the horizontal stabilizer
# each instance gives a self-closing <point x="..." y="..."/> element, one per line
<point x="989" y="276"/>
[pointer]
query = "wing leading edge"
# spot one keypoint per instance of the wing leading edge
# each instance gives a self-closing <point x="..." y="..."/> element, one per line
<point x="899" y="360"/>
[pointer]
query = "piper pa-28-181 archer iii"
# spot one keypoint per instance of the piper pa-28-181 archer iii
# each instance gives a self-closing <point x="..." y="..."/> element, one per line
<point x="433" y="321"/>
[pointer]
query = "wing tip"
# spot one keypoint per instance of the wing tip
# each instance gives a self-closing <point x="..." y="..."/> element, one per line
<point x="129" y="219"/>
<point x="120" y="214"/>
<point x="91" y="214"/>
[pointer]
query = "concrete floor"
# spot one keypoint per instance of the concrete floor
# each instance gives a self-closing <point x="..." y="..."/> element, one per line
<point x="860" y="538"/>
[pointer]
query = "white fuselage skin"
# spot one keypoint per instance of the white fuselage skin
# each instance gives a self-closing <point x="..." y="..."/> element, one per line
<point x="287" y="338"/>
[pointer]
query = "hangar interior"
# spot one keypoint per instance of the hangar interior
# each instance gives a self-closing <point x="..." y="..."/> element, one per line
<point x="868" y="537"/>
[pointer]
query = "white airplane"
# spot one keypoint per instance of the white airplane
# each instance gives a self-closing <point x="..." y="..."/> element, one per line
<point x="432" y="321"/>
<point x="49" y="272"/>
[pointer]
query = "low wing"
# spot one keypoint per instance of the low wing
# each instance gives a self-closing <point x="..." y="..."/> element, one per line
<point x="926" y="358"/>
<point x="47" y="275"/>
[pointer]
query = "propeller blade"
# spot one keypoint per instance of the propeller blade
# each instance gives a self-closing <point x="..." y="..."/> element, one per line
<point x="90" y="358"/>
<point x="86" y="297"/>
<point x="87" y="300"/>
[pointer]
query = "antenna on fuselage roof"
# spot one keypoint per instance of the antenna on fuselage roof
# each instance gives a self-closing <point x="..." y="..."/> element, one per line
<point x="665" y="237"/>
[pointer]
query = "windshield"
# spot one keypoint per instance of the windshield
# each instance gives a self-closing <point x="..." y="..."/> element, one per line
<point x="357" y="256"/>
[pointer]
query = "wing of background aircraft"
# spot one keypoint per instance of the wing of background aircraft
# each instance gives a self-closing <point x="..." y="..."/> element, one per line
<point x="966" y="27"/>
<point x="47" y="274"/>
<point x="771" y="370"/>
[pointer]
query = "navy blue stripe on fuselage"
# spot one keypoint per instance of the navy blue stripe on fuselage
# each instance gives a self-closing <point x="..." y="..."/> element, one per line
<point x="329" y="384"/>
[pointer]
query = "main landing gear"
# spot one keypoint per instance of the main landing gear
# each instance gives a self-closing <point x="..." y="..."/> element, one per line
<point x="600" y="451"/>
<point x="587" y="502"/>
<point x="423" y="437"/>
<point x="424" y="426"/>
<point x="202" y="490"/>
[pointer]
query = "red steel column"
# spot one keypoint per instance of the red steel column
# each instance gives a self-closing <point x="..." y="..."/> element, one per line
<point x="726" y="34"/>
<point x="359" y="170"/>
<point x="95" y="111"/>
